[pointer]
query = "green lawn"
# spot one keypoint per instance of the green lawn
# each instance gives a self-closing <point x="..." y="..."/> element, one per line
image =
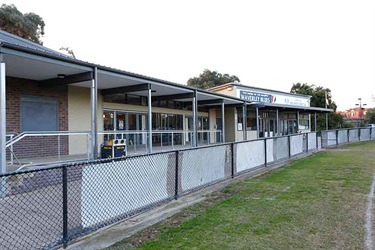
<point x="316" y="202"/>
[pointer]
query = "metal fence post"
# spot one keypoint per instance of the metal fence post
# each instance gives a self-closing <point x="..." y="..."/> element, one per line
<point x="359" y="134"/>
<point x="316" y="142"/>
<point x="265" y="152"/>
<point x="337" y="137"/>
<point x="307" y="142"/>
<point x="289" y="153"/>
<point x="65" y="205"/>
<point x="176" y="177"/>
<point x="232" y="158"/>
<point x="348" y="134"/>
<point x="58" y="148"/>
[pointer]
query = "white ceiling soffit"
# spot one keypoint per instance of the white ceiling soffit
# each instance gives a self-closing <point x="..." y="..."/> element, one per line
<point x="34" y="69"/>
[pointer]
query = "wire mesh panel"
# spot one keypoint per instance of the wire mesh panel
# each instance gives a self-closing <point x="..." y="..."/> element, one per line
<point x="304" y="142"/>
<point x="311" y="141"/>
<point x="114" y="190"/>
<point x="372" y="133"/>
<point x="249" y="155"/>
<point x="74" y="200"/>
<point x="353" y="135"/>
<point x="270" y="150"/>
<point x="296" y="144"/>
<point x="203" y="166"/>
<point x="342" y="136"/>
<point x="328" y="138"/>
<point x="277" y="149"/>
<point x="365" y="134"/>
<point x="31" y="210"/>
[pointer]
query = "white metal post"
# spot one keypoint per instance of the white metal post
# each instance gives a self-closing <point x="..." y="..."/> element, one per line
<point x="244" y="125"/>
<point x="297" y="121"/>
<point x="194" y="108"/>
<point x="315" y="123"/>
<point x="94" y="122"/>
<point x="149" y="114"/>
<point x="277" y="122"/>
<point x="223" y="121"/>
<point x="3" y="156"/>
<point x="257" y="119"/>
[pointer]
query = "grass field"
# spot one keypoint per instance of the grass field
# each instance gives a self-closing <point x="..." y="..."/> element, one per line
<point x="316" y="202"/>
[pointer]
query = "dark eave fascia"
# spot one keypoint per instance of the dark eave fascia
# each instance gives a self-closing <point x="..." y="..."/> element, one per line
<point x="70" y="79"/>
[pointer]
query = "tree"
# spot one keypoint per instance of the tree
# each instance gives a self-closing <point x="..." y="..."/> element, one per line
<point x="29" y="25"/>
<point x="69" y="51"/>
<point x="370" y="116"/>
<point x="318" y="99"/>
<point x="210" y="79"/>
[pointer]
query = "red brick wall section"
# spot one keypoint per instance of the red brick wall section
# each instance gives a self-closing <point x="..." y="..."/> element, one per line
<point x="35" y="146"/>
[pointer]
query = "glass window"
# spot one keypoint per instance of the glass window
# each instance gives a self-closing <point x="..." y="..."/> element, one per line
<point x="304" y="121"/>
<point x="133" y="99"/>
<point x="251" y="122"/>
<point x="239" y="119"/>
<point x="120" y="121"/>
<point x="109" y="121"/>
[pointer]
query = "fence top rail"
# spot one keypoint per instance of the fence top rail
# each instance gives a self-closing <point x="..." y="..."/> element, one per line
<point x="340" y="129"/>
<point x="155" y="131"/>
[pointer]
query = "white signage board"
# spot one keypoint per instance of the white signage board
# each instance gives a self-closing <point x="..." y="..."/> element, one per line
<point x="264" y="97"/>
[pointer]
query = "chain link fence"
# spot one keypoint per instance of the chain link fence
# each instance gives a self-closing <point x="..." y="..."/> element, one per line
<point x="46" y="208"/>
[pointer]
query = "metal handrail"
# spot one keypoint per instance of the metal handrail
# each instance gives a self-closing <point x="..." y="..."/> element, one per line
<point x="43" y="133"/>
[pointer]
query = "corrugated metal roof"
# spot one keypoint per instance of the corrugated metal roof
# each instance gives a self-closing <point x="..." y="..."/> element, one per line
<point x="16" y="40"/>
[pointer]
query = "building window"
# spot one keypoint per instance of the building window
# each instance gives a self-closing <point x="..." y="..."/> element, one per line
<point x="109" y="120"/>
<point x="304" y="121"/>
<point x="39" y="114"/>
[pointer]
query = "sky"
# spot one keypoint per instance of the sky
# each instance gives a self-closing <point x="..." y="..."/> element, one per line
<point x="268" y="44"/>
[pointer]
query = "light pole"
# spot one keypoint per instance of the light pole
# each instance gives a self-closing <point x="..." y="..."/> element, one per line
<point x="360" y="113"/>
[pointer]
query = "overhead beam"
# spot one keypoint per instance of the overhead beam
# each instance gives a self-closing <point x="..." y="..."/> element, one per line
<point x="81" y="77"/>
<point x="173" y="97"/>
<point x="215" y="101"/>
<point x="127" y="89"/>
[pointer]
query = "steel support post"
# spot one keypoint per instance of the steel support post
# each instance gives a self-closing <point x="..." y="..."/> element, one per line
<point x="94" y="122"/>
<point x="149" y="116"/>
<point x="223" y="121"/>
<point x="194" y="109"/>
<point x="297" y="121"/>
<point x="3" y="132"/>
<point x="244" y="125"/>
<point x="257" y="119"/>
<point x="326" y="121"/>
<point x="315" y="123"/>
<point x="277" y="122"/>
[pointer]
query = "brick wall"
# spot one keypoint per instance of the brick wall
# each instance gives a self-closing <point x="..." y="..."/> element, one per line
<point x="35" y="146"/>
